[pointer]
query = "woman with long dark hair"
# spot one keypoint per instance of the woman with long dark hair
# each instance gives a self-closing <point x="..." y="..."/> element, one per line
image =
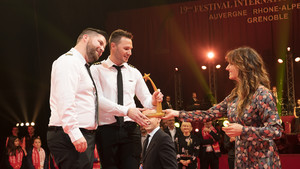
<point x="251" y="111"/>
<point x="15" y="155"/>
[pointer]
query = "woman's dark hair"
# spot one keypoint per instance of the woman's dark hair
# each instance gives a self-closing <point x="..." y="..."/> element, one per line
<point x="11" y="148"/>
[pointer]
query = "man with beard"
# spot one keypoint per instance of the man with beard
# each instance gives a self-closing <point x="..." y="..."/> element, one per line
<point x="118" y="135"/>
<point x="74" y="102"/>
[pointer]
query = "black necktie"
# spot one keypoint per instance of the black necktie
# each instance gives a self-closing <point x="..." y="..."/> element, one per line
<point x="145" y="145"/>
<point x="96" y="101"/>
<point x="120" y="119"/>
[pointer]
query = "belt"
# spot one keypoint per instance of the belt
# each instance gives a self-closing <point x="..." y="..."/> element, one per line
<point x="59" y="128"/>
<point x="125" y="123"/>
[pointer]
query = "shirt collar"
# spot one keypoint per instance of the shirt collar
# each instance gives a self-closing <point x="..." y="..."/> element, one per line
<point x="78" y="55"/>
<point x="172" y="129"/>
<point x="110" y="63"/>
<point x="153" y="131"/>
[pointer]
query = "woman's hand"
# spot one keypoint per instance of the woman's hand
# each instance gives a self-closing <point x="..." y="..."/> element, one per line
<point x="233" y="129"/>
<point x="170" y="113"/>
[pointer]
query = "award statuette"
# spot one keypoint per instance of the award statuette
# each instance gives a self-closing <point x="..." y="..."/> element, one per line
<point x="159" y="112"/>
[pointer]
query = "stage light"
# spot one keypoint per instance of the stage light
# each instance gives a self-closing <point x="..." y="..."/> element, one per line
<point x="27" y="124"/>
<point x="22" y="124"/>
<point x="197" y="130"/>
<point x="288" y="49"/>
<point x="176" y="69"/>
<point x="280" y="61"/>
<point x="210" y="55"/>
<point x="218" y="66"/>
<point x="297" y="59"/>
<point x="204" y="67"/>
<point x="177" y="124"/>
<point x="18" y="124"/>
<point x="32" y="123"/>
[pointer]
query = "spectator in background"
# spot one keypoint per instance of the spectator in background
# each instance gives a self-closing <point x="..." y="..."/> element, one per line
<point x="297" y="115"/>
<point x="37" y="158"/>
<point x="27" y="140"/>
<point x="171" y="129"/>
<point x="194" y="102"/>
<point x="163" y="124"/>
<point x="209" y="147"/>
<point x="167" y="103"/>
<point x="275" y="94"/>
<point x="14" y="132"/>
<point x="15" y="156"/>
<point x="187" y="147"/>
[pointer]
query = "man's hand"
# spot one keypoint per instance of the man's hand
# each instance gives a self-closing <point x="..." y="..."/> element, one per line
<point x="80" y="145"/>
<point x="157" y="97"/>
<point x="136" y="115"/>
<point x="170" y="113"/>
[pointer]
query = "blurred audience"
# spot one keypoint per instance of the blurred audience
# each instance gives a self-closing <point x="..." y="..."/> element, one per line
<point x="167" y="103"/>
<point x="209" y="147"/>
<point x="14" y="132"/>
<point x="297" y="115"/>
<point x="37" y="157"/>
<point x="187" y="147"/>
<point x="194" y="103"/>
<point x="27" y="140"/>
<point x="163" y="124"/>
<point x="275" y="94"/>
<point x="171" y="129"/>
<point x="14" y="156"/>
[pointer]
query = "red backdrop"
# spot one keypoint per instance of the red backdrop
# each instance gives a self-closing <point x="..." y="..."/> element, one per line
<point x="180" y="35"/>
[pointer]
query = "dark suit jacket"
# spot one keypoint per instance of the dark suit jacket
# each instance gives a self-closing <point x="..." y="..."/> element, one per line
<point x="160" y="153"/>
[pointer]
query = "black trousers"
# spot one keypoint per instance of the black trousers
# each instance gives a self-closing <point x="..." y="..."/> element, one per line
<point x="231" y="163"/>
<point x="209" y="160"/>
<point x="64" y="152"/>
<point x="119" y="147"/>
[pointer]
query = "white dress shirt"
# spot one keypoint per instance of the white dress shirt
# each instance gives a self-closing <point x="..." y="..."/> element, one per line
<point x="72" y="95"/>
<point x="172" y="132"/>
<point x="105" y="76"/>
<point x="152" y="134"/>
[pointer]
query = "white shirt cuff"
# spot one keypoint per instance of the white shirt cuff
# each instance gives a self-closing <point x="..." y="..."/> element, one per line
<point x="124" y="110"/>
<point x="75" y="134"/>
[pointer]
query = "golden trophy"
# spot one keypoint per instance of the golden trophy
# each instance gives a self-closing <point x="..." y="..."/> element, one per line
<point x="159" y="113"/>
